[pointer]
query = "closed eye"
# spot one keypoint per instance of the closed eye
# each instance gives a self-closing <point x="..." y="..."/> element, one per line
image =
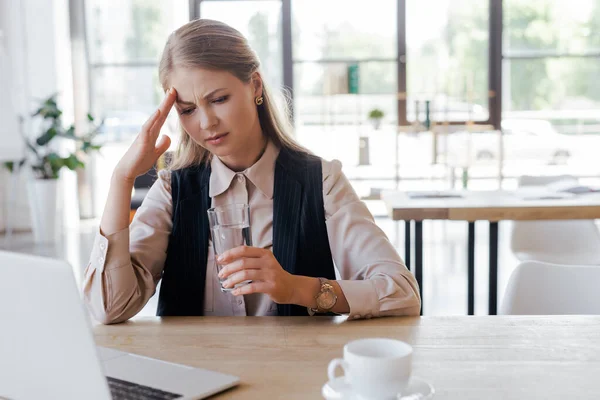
<point x="186" y="112"/>
<point x="220" y="100"/>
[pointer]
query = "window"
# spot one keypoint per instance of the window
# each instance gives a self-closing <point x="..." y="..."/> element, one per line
<point x="343" y="34"/>
<point x="125" y="41"/>
<point x="550" y="27"/>
<point x="260" y="23"/>
<point x="342" y="29"/>
<point x="550" y="78"/>
<point x="442" y="51"/>
<point x="447" y="58"/>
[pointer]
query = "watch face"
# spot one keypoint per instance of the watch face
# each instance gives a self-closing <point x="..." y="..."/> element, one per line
<point x="326" y="300"/>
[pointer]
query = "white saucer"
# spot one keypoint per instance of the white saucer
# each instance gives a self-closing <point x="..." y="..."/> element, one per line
<point x="339" y="389"/>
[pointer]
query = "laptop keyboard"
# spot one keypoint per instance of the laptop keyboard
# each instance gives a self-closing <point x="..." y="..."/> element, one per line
<point x="123" y="390"/>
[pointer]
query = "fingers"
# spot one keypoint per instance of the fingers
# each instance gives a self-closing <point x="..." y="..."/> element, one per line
<point x="252" y="287"/>
<point x="239" y="265"/>
<point x="164" y="109"/>
<point x="242" y="276"/>
<point x="163" y="144"/>
<point x="150" y="121"/>
<point x="239" y="252"/>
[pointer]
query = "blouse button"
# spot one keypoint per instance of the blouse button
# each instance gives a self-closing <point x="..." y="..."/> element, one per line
<point x="101" y="259"/>
<point x="240" y="178"/>
<point x="102" y="246"/>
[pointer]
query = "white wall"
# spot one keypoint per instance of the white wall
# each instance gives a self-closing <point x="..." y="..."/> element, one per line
<point x="11" y="66"/>
<point x="37" y="45"/>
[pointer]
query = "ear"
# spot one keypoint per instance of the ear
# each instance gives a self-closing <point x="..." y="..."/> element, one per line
<point x="257" y="84"/>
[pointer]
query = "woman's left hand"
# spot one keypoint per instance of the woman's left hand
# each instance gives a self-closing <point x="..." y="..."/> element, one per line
<point x="260" y="266"/>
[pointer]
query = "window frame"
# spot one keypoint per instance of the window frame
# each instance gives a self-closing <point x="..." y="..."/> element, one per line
<point x="494" y="64"/>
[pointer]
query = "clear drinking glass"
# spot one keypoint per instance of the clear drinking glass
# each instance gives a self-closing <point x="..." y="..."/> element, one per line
<point x="230" y="228"/>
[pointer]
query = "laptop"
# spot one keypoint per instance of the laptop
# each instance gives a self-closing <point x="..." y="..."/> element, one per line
<point x="47" y="349"/>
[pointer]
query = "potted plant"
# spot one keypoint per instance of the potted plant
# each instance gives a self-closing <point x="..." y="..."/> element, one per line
<point x="375" y="116"/>
<point x="46" y="159"/>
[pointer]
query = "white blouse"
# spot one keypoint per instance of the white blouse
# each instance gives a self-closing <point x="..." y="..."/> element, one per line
<point x="125" y="267"/>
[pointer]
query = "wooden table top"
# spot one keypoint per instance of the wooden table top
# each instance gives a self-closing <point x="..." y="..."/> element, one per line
<point x="492" y="206"/>
<point x="545" y="357"/>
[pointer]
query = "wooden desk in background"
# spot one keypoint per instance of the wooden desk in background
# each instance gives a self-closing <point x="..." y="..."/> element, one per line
<point x="491" y="206"/>
<point x="462" y="357"/>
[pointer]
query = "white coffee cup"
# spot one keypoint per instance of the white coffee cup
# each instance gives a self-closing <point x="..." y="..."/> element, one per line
<point x="375" y="368"/>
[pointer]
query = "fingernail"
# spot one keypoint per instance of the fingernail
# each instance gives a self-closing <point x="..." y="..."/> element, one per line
<point x="220" y="258"/>
<point x="236" y="292"/>
<point x="220" y="274"/>
<point x="226" y="284"/>
<point x="172" y="90"/>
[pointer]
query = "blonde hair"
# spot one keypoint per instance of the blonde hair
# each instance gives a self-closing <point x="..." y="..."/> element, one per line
<point x="210" y="44"/>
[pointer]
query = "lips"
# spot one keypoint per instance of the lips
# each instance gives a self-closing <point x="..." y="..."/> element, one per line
<point x="216" y="139"/>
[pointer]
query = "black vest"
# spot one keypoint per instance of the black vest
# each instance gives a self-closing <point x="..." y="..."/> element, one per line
<point x="300" y="242"/>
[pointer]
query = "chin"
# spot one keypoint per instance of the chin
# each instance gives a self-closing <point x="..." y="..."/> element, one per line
<point x="219" y="151"/>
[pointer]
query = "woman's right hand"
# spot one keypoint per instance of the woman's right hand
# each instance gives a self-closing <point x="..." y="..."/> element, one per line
<point x="145" y="151"/>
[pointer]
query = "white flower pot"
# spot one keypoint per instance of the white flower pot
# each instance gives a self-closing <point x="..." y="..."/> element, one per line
<point x="43" y="202"/>
<point x="376" y="122"/>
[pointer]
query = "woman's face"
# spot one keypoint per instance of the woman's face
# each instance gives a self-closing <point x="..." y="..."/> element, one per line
<point x="219" y="113"/>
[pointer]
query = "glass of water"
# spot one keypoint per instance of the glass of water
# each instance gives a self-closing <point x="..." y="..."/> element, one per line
<point x="230" y="228"/>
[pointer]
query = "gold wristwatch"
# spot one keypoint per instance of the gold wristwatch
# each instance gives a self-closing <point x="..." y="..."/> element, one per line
<point x="326" y="298"/>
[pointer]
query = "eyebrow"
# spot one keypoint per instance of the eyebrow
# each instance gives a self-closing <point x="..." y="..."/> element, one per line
<point x="191" y="103"/>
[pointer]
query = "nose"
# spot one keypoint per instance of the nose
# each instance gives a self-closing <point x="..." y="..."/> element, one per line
<point x="208" y="119"/>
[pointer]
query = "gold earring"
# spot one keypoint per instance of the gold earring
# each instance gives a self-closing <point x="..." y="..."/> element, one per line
<point x="259" y="100"/>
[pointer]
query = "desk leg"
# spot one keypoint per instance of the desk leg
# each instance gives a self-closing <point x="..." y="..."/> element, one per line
<point x="419" y="258"/>
<point x="493" y="284"/>
<point x="407" y="244"/>
<point x="471" y="270"/>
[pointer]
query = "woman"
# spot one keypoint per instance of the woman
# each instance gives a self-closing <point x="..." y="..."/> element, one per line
<point x="306" y="220"/>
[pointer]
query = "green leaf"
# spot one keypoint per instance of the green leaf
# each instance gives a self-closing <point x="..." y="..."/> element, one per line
<point x="51" y="101"/>
<point x="50" y="112"/>
<point x="47" y="166"/>
<point x="54" y="158"/>
<point x="49" y="109"/>
<point x="46" y="137"/>
<point x="87" y="146"/>
<point x="70" y="132"/>
<point x="10" y="165"/>
<point x="376" y="113"/>
<point x="53" y="165"/>
<point x="38" y="112"/>
<point x="72" y="162"/>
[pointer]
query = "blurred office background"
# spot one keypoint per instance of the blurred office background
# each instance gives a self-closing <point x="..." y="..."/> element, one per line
<point x="468" y="94"/>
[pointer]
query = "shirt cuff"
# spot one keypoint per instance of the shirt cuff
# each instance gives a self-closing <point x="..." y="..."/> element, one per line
<point x="111" y="251"/>
<point x="362" y="298"/>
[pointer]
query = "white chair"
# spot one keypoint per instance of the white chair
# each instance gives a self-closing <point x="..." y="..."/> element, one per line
<point x="532" y="180"/>
<point x="574" y="242"/>
<point x="537" y="288"/>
